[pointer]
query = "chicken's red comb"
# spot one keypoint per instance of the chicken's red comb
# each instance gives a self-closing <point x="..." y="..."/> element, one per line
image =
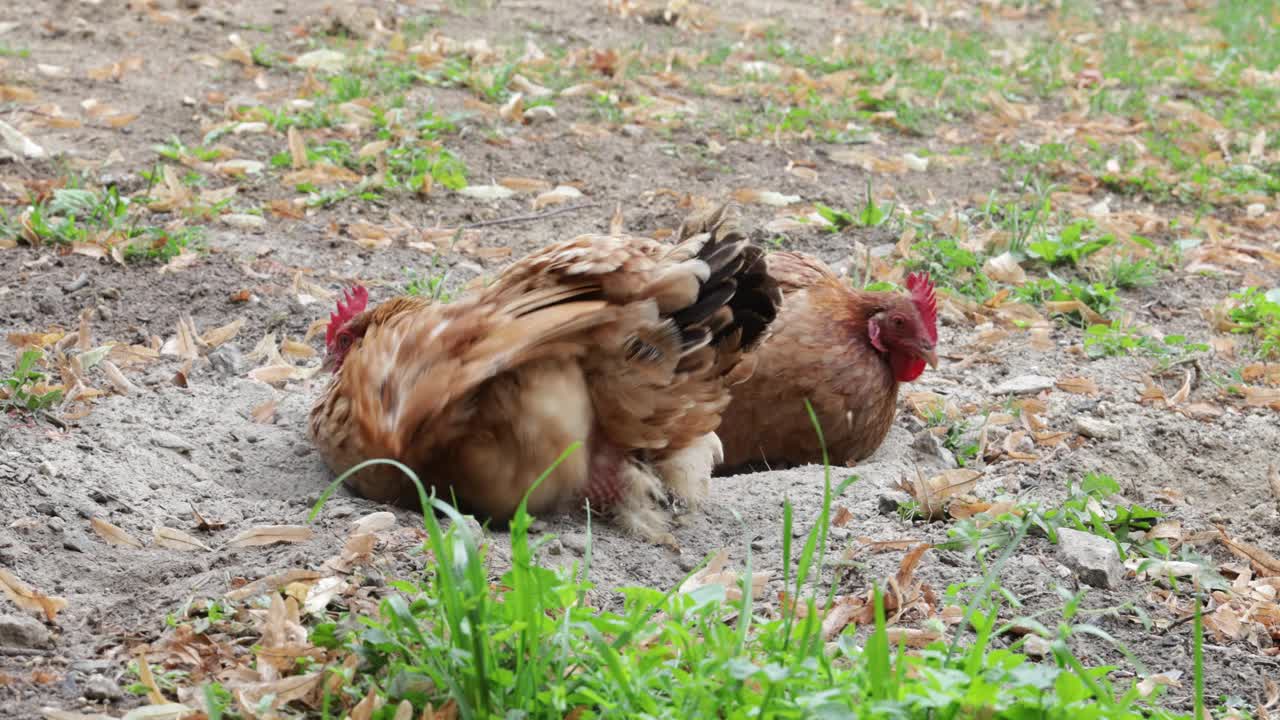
<point x="921" y="287"/>
<point x="357" y="297"/>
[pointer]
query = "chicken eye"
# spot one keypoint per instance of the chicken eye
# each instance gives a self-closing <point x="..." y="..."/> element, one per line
<point x="899" y="321"/>
<point x="344" y="341"/>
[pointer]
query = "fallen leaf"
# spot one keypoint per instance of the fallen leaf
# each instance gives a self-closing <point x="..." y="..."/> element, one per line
<point x="271" y="583"/>
<point x="486" y="192"/>
<point x="374" y="522"/>
<point x="1005" y="268"/>
<point x="931" y="493"/>
<point x="715" y="574"/>
<point x="218" y="336"/>
<point x="271" y="534"/>
<point x="27" y="598"/>
<point x="176" y="539"/>
<point x="764" y="197"/>
<point x="113" y="535"/>
<point x="264" y="414"/>
<point x="523" y="184"/>
<point x="561" y="194"/>
<point x="1263" y="562"/>
<point x="1078" y="385"/>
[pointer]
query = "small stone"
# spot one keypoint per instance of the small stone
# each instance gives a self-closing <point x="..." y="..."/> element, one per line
<point x="1093" y="559"/>
<point x="20" y="631"/>
<point x="48" y="469"/>
<point x="75" y="543"/>
<point x="1036" y="646"/>
<point x="687" y="563"/>
<point x="555" y="547"/>
<point x="1024" y="385"/>
<point x="928" y="444"/>
<point x="890" y="500"/>
<point x="102" y="689"/>
<point x="163" y="439"/>
<point x="1096" y="428"/>
<point x="57" y="524"/>
<point x="576" y="542"/>
<point x="227" y="360"/>
<point x="47" y="508"/>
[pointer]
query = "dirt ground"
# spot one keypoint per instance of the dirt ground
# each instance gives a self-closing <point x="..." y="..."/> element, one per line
<point x="169" y="449"/>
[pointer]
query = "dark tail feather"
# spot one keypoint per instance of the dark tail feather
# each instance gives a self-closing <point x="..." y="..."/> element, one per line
<point x="739" y="282"/>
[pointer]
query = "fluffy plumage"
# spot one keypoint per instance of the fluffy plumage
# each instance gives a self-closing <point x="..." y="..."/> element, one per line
<point x="844" y="350"/>
<point x="623" y="343"/>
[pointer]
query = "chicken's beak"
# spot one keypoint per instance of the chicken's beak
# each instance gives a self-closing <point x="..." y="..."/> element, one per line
<point x="930" y="355"/>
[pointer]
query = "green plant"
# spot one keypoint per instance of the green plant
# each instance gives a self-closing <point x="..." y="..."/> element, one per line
<point x="430" y="285"/>
<point x="23" y="390"/>
<point x="1258" y="313"/>
<point x="871" y="215"/>
<point x="951" y="266"/>
<point x="1120" y="339"/>
<point x="1097" y="296"/>
<point x="1069" y="246"/>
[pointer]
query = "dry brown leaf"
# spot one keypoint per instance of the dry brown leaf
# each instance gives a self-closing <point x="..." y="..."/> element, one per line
<point x="617" y="224"/>
<point x="218" y="336"/>
<point x="523" y="184"/>
<point x="1255" y="396"/>
<point x="1004" y="268"/>
<point x="842" y="517"/>
<point x="271" y="534"/>
<point x="883" y="546"/>
<point x="931" y="493"/>
<point x="271" y="583"/>
<point x="374" y="522"/>
<point x="752" y="196"/>
<point x="148" y="680"/>
<point x="847" y="610"/>
<point x="1265" y="564"/>
<point x="295" y="350"/>
<point x="561" y="194"/>
<point x="113" y="535"/>
<point x="27" y="598"/>
<point x="1078" y="385"/>
<point x="265" y="414"/>
<point x="116" y="378"/>
<point x="715" y="574"/>
<point x="176" y="539"/>
<point x="912" y="637"/>
<point x="1183" y="393"/>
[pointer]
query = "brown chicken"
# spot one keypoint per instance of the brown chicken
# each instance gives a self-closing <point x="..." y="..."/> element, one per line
<point x="844" y="350"/>
<point x="626" y="344"/>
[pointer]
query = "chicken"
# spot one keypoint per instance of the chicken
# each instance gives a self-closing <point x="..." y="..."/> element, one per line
<point x="625" y="344"/>
<point x="844" y="350"/>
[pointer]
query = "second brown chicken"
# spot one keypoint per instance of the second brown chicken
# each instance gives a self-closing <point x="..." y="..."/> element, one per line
<point x="846" y="351"/>
<point x="625" y="344"/>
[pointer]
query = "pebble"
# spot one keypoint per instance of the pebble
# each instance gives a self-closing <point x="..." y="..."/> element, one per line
<point x="1096" y="428"/>
<point x="75" y="543"/>
<point x="163" y="439"/>
<point x="576" y="542"/>
<point x="20" y="631"/>
<point x="228" y="360"/>
<point x="1093" y="559"/>
<point x="101" y="688"/>
<point x="1024" y="385"/>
